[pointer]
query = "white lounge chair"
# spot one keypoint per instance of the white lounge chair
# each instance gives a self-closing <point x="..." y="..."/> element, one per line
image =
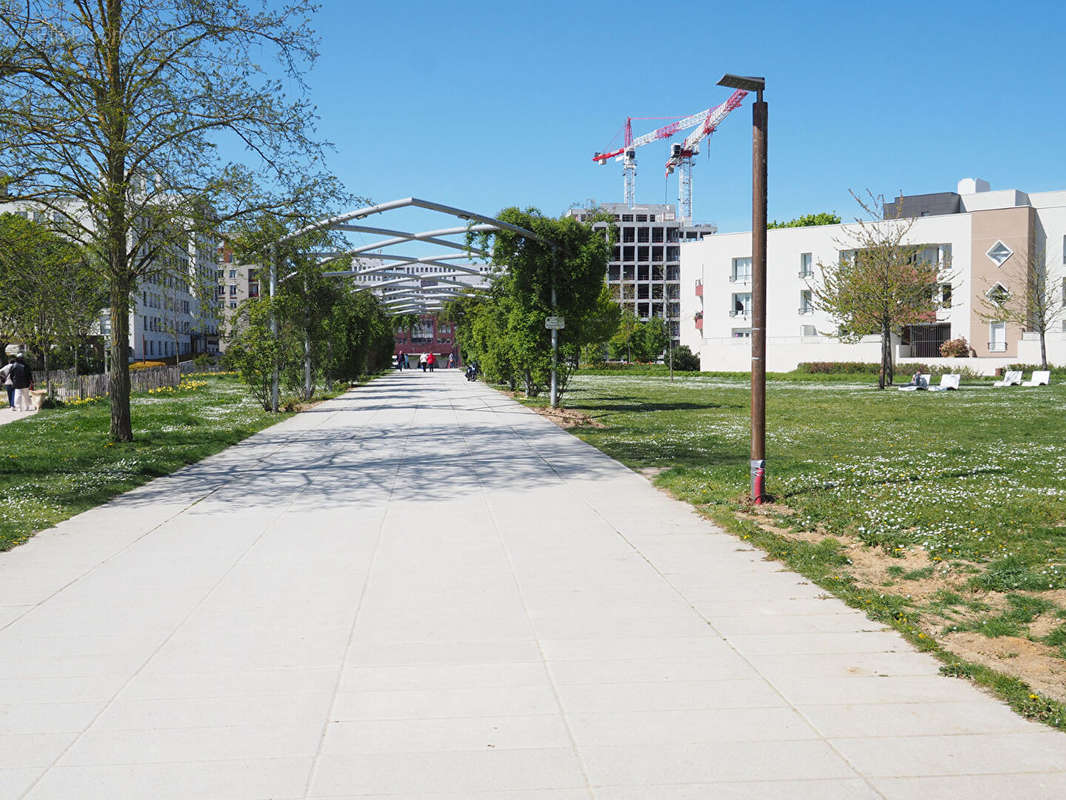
<point x="948" y="383"/>
<point x="919" y="381"/>
<point x="1041" y="377"/>
<point x="1013" y="377"/>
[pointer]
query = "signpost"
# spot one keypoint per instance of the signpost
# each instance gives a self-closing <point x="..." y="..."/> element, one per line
<point x="554" y="323"/>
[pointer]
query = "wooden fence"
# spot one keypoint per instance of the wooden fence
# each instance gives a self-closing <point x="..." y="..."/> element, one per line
<point x="67" y="386"/>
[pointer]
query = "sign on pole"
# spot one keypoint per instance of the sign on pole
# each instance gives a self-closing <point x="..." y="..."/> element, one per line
<point x="554" y="323"/>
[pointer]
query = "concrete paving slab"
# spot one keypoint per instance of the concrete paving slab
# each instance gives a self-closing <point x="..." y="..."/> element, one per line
<point x="422" y="589"/>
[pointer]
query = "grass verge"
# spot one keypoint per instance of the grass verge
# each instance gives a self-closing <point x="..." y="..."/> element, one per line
<point x="940" y="514"/>
<point x="60" y="462"/>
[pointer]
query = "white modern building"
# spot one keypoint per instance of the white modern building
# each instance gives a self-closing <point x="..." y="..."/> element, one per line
<point x="984" y="239"/>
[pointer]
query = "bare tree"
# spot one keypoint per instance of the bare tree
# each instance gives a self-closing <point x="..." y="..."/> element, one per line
<point x="880" y="283"/>
<point x="1026" y="295"/>
<point x="113" y="115"/>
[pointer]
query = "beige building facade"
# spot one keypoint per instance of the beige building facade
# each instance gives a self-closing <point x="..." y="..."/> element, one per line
<point x="989" y="244"/>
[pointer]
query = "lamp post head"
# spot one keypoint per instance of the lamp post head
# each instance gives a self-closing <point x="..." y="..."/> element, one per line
<point x="748" y="83"/>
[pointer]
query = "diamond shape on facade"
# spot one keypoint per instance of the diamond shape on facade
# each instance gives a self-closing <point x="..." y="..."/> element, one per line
<point x="999" y="253"/>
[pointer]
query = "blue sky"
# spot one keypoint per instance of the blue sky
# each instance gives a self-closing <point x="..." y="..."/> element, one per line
<point x="485" y="105"/>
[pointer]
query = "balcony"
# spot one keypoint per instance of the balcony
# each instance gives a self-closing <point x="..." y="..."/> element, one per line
<point x="997" y="347"/>
<point x="699" y="323"/>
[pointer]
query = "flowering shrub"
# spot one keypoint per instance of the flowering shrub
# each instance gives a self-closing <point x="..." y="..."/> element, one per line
<point x="955" y="348"/>
<point x="136" y="365"/>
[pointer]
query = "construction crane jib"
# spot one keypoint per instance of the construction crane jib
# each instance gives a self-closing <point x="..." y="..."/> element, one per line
<point x="627" y="152"/>
<point x="681" y="154"/>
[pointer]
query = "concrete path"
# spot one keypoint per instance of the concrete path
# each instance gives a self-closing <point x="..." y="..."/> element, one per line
<point x="423" y="590"/>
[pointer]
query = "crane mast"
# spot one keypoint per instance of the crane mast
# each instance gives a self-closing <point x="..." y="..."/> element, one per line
<point x="627" y="153"/>
<point x="681" y="154"/>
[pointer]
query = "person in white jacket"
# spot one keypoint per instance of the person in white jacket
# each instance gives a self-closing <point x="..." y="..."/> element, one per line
<point x="9" y="384"/>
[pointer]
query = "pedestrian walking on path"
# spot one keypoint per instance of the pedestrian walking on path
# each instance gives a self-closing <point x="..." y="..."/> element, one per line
<point x="423" y="361"/>
<point x="22" y="380"/>
<point x="431" y="360"/>
<point x="399" y="361"/>
<point x="9" y="385"/>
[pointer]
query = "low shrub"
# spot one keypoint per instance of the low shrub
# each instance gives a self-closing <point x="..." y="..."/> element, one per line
<point x="1057" y="371"/>
<point x="136" y="365"/>
<point x="837" y="367"/>
<point x="685" y="360"/>
<point x="955" y="348"/>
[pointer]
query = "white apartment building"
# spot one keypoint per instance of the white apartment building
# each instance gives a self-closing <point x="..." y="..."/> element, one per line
<point x="172" y="309"/>
<point x="984" y="239"/>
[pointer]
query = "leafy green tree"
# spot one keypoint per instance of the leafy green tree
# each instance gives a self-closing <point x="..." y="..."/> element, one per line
<point x="685" y="360"/>
<point x="253" y="349"/>
<point x="112" y="114"/>
<point x="623" y="339"/>
<point x="561" y="272"/>
<point x="651" y="339"/>
<point x="808" y="220"/>
<point x="51" y="295"/>
<point x="879" y="284"/>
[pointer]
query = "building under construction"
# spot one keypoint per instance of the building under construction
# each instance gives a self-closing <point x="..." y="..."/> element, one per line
<point x="644" y="273"/>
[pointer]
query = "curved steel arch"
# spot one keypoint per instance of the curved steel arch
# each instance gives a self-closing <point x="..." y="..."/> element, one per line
<point x="422" y="291"/>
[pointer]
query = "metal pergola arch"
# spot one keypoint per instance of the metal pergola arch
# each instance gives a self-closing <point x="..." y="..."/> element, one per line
<point x="421" y="291"/>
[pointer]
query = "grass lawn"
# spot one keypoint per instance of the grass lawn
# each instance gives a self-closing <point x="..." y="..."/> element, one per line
<point x="942" y="514"/>
<point x="59" y="462"/>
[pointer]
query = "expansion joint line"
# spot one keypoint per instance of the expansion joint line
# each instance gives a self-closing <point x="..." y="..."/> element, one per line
<point x="518" y="588"/>
<point x="379" y="535"/>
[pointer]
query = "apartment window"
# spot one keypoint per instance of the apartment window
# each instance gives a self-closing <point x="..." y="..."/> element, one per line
<point x="741" y="270"/>
<point x="642" y="217"/>
<point x="1064" y="292"/>
<point x="741" y="305"/>
<point x="945" y="295"/>
<point x="998" y="294"/>
<point x="643" y="234"/>
<point x="741" y="333"/>
<point x="806" y="303"/>
<point x="997" y="337"/>
<point x="806" y="265"/>
<point x="233" y="290"/>
<point x="627" y="218"/>
<point x="233" y="273"/>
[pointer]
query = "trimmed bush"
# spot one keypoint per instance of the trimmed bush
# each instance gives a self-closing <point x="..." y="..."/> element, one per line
<point x="685" y="360"/>
<point x="955" y="348"/>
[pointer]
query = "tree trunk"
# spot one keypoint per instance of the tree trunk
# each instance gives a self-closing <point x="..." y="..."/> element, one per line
<point x="47" y="377"/>
<point x="884" y="375"/>
<point x="119" y="379"/>
<point x="1043" y="351"/>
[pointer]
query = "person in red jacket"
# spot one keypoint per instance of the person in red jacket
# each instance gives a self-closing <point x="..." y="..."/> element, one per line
<point x="432" y="361"/>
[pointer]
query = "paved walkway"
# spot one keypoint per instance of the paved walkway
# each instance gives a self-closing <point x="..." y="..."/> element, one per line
<point x="423" y="590"/>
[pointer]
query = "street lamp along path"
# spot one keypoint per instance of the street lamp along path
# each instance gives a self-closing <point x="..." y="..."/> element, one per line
<point x="758" y="281"/>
